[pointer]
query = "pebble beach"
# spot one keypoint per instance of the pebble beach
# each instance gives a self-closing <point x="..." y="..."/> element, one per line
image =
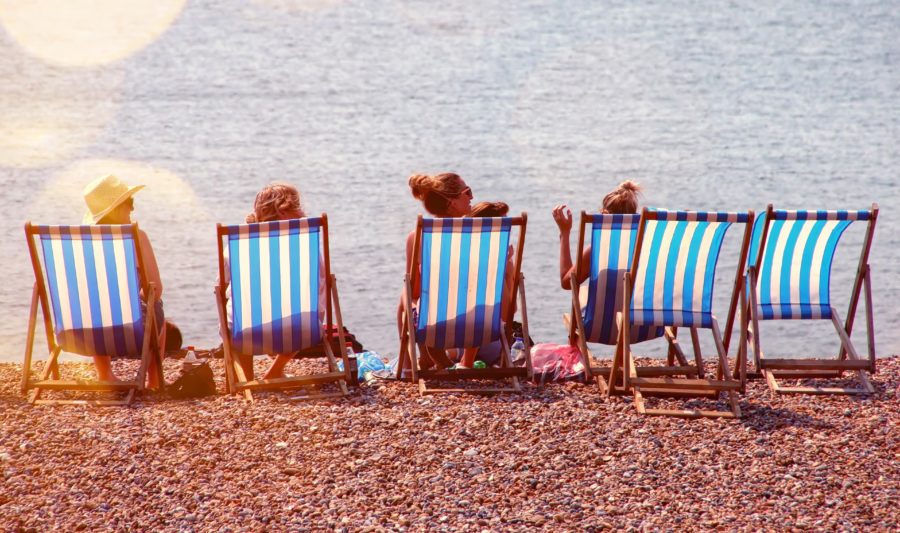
<point x="560" y="457"/>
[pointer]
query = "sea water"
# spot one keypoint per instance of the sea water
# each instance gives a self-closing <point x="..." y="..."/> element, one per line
<point x="708" y="105"/>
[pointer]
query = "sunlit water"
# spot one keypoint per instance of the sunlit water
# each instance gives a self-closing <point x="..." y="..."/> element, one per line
<point x="708" y="105"/>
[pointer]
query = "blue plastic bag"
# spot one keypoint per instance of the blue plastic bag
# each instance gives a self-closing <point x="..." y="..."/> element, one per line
<point x="365" y="362"/>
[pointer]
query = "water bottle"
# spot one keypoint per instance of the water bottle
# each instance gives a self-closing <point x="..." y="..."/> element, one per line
<point x="190" y="360"/>
<point x="517" y="351"/>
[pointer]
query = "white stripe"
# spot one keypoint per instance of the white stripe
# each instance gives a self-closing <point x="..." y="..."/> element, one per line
<point x="243" y="261"/>
<point x="818" y="258"/>
<point x="681" y="268"/>
<point x="779" y="258"/>
<point x="434" y="270"/>
<point x="284" y="261"/>
<point x="453" y="287"/>
<point x="700" y="272"/>
<point x="62" y="283"/>
<point x="797" y="259"/>
<point x="665" y="255"/>
<point x="122" y="274"/>
<point x="103" y="290"/>
<point x="265" y="290"/>
<point x="474" y="262"/>
<point x="83" y="292"/>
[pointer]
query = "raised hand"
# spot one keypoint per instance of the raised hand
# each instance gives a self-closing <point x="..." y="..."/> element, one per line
<point x="563" y="218"/>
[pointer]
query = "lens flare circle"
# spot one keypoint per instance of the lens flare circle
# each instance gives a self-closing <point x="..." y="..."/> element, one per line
<point x="86" y="33"/>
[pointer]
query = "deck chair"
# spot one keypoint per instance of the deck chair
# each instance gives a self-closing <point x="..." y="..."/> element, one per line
<point x="612" y="239"/>
<point x="89" y="279"/>
<point x="670" y="283"/>
<point x="463" y="267"/>
<point x="789" y="278"/>
<point x="276" y="270"/>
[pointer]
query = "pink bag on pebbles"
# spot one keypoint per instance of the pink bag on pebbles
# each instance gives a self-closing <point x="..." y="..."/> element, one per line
<point x="556" y="362"/>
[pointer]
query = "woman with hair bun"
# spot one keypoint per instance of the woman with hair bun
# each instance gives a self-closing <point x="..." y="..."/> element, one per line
<point x="621" y="200"/>
<point x="443" y="196"/>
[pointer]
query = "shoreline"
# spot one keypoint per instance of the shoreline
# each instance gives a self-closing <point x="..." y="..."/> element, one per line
<point x="560" y="457"/>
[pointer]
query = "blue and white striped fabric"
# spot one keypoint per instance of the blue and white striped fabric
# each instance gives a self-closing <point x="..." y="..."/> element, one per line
<point x="94" y="289"/>
<point x="676" y="272"/>
<point x="463" y="264"/>
<point x="276" y="273"/>
<point x="612" y="244"/>
<point x="794" y="276"/>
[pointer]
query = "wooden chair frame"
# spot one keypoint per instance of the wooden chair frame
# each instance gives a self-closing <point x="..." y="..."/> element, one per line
<point x="237" y="381"/>
<point x="848" y="359"/>
<point x="624" y="375"/>
<point x="50" y="379"/>
<point x="408" y="362"/>
<point x="578" y="335"/>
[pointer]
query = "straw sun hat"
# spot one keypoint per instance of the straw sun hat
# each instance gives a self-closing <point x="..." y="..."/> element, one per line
<point x="105" y="194"/>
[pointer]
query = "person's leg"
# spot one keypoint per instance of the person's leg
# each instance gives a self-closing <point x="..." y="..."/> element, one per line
<point x="103" y="365"/>
<point x="277" y="369"/>
<point x="468" y="358"/>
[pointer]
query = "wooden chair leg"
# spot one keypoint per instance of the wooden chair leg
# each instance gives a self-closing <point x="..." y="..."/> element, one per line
<point x="29" y="341"/>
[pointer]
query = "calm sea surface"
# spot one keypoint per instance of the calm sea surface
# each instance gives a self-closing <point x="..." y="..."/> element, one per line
<point x="709" y="105"/>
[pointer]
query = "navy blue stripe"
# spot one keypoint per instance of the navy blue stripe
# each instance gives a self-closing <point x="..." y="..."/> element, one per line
<point x="425" y="292"/>
<point x="481" y="292"/>
<point x="499" y="285"/>
<point x="315" y="333"/>
<point x="608" y="327"/>
<point x="462" y="291"/>
<point x="115" y="303"/>
<point x="53" y="286"/>
<point x="786" y="266"/>
<point x="765" y="276"/>
<point x="669" y="276"/>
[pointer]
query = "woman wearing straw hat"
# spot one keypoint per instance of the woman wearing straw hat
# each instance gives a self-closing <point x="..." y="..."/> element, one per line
<point x="111" y="201"/>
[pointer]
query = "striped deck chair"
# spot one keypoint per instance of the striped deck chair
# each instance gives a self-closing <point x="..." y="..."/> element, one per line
<point x="671" y="284"/>
<point x="276" y="270"/>
<point x="789" y="275"/>
<point x="88" y="283"/>
<point x="463" y="268"/>
<point x="612" y="239"/>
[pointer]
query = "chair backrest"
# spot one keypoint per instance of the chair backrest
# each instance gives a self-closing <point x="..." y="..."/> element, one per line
<point x="277" y="272"/>
<point x="794" y="261"/>
<point x="463" y="263"/>
<point x="675" y="265"/>
<point x="612" y="238"/>
<point x="91" y="277"/>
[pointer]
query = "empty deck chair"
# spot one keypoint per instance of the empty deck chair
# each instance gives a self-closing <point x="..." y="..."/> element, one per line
<point x="276" y="271"/>
<point x="463" y="267"/>
<point x="612" y="239"/>
<point x="88" y="283"/>
<point x="670" y="284"/>
<point x="789" y="275"/>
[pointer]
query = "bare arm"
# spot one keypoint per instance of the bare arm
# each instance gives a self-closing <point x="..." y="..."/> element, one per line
<point x="148" y="258"/>
<point x="563" y="218"/>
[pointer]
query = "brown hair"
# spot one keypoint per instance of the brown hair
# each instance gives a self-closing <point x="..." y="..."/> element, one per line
<point x="274" y="200"/>
<point x="489" y="209"/>
<point x="436" y="192"/>
<point x="623" y="200"/>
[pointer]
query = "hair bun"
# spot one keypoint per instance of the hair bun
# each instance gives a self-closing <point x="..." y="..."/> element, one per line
<point x="420" y="184"/>
<point x="251" y="218"/>
<point x="629" y="185"/>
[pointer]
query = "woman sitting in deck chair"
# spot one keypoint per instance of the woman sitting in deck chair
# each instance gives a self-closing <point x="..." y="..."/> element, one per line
<point x="444" y="196"/>
<point x="277" y="201"/>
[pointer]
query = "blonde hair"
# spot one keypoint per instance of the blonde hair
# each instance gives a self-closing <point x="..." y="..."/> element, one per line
<point x="623" y="199"/>
<point x="273" y="201"/>
<point x="489" y="209"/>
<point x="436" y="192"/>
